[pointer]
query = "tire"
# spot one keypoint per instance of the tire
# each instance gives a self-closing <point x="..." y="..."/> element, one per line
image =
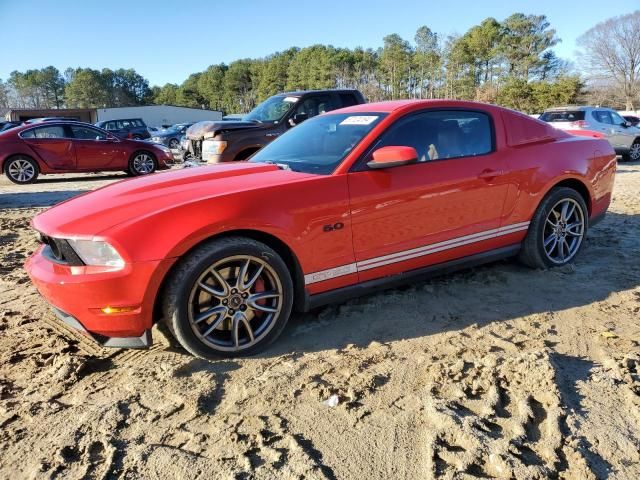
<point x="142" y="163"/>
<point x="21" y="170"/>
<point x="174" y="144"/>
<point x="634" y="152"/>
<point x="136" y="137"/>
<point x="546" y="245"/>
<point x="201" y="311"/>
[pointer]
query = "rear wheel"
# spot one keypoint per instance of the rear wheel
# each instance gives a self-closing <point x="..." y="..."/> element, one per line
<point x="229" y="297"/>
<point x="21" y="170"/>
<point x="142" y="163"/>
<point x="174" y="144"/>
<point x="557" y="230"/>
<point x="634" y="152"/>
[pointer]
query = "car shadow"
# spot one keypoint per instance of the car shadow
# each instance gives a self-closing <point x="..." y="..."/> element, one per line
<point x="85" y="177"/>
<point x="609" y="262"/>
<point x="37" y="199"/>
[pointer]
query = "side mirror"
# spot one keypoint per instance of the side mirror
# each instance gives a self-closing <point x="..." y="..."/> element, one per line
<point x="626" y="124"/>
<point x="298" y="118"/>
<point x="392" y="156"/>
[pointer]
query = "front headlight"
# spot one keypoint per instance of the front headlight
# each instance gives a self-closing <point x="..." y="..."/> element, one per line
<point x="97" y="253"/>
<point x="156" y="139"/>
<point x="214" y="147"/>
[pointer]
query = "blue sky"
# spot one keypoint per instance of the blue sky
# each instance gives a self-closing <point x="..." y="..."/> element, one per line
<point x="167" y="40"/>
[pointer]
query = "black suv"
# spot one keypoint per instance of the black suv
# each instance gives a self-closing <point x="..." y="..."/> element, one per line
<point x="126" y="128"/>
<point x="226" y="141"/>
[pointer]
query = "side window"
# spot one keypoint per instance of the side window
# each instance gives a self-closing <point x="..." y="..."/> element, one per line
<point x="617" y="119"/>
<point x="439" y="135"/>
<point x="28" y="134"/>
<point x="53" y="131"/>
<point x="138" y="123"/>
<point x="313" y="106"/>
<point x="602" y="116"/>
<point x="85" y="133"/>
<point x="110" y="126"/>
<point x="347" y="100"/>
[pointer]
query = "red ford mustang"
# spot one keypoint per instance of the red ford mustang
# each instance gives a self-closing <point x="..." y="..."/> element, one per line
<point x="351" y="201"/>
<point x="64" y="147"/>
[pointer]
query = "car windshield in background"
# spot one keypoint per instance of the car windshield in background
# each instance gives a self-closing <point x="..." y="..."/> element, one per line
<point x="568" y="116"/>
<point x="319" y="144"/>
<point x="271" y="110"/>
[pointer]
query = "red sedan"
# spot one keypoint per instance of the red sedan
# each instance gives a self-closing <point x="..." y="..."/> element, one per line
<point x="348" y="202"/>
<point x="64" y="147"/>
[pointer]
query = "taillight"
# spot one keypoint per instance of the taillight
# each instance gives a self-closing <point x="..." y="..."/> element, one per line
<point x="579" y="124"/>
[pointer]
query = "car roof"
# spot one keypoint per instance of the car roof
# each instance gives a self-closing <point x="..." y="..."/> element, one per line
<point x="392" y="105"/>
<point x="301" y="93"/>
<point x="578" y="108"/>
<point x="52" y="123"/>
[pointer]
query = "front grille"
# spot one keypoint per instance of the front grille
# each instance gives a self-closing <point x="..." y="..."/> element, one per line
<point x="58" y="250"/>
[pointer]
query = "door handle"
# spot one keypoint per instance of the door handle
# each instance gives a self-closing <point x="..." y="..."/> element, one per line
<point x="488" y="174"/>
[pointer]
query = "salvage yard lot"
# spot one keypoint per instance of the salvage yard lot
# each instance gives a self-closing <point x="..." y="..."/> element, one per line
<point x="497" y="371"/>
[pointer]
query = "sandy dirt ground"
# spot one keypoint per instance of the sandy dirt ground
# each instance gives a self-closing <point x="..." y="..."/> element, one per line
<point x="499" y="371"/>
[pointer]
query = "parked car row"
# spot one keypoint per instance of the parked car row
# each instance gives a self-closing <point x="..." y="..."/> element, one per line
<point x="75" y="146"/>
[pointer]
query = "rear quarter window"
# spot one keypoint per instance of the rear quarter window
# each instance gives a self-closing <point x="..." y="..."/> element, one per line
<point x="569" y="116"/>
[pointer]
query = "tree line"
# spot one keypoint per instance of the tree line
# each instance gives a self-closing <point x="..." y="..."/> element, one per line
<point x="509" y="62"/>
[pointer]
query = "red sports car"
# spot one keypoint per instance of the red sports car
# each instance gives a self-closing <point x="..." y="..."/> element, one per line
<point x="64" y="146"/>
<point x="348" y="202"/>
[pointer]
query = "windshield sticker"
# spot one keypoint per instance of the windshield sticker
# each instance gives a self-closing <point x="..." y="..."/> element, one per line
<point x="359" y="120"/>
<point x="291" y="99"/>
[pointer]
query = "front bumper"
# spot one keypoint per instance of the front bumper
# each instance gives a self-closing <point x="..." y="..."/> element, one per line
<point x="82" y="294"/>
<point x="143" y="341"/>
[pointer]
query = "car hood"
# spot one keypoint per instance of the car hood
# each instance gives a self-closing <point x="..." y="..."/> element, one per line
<point x="208" y="129"/>
<point x="91" y="213"/>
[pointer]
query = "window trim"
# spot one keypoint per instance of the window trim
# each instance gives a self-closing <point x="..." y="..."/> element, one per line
<point x="597" y="119"/>
<point x="360" y="165"/>
<point x="34" y="128"/>
<point x="106" y="135"/>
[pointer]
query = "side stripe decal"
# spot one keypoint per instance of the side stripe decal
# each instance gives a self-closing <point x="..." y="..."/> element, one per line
<point x="413" y="253"/>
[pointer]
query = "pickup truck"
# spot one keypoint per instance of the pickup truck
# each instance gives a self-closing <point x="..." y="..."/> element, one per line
<point x="232" y="140"/>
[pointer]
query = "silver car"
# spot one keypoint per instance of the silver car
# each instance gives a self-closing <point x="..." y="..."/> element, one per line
<point x="623" y="137"/>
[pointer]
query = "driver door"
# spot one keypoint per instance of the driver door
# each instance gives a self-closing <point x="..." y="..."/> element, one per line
<point x="437" y="209"/>
<point x="93" y="148"/>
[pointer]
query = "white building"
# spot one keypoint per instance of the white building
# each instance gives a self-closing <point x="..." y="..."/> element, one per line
<point x="159" y="115"/>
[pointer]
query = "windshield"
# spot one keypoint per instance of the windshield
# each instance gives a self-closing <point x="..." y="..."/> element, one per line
<point x="319" y="145"/>
<point x="271" y="110"/>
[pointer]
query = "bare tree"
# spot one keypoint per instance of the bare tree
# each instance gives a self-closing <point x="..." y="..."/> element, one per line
<point x="611" y="51"/>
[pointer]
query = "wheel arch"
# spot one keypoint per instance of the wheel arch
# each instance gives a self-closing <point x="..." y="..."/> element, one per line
<point x="144" y="150"/>
<point x="16" y="155"/>
<point x="245" y="153"/>
<point x="278" y="245"/>
<point x="577" y="185"/>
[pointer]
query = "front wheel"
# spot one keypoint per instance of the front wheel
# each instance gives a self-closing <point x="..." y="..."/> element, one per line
<point x="557" y="230"/>
<point x="174" y="144"/>
<point x="229" y="297"/>
<point x="142" y="163"/>
<point x="21" y="170"/>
